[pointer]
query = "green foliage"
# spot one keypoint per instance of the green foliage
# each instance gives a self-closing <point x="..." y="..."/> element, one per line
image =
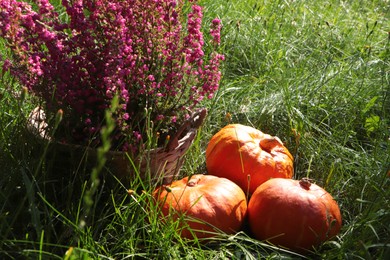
<point x="314" y="73"/>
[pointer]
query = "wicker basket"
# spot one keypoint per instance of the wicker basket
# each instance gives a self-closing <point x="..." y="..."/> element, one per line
<point x="156" y="165"/>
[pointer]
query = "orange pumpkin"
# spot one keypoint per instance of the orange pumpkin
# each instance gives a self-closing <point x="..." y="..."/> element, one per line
<point x="247" y="156"/>
<point x="294" y="214"/>
<point x="208" y="203"/>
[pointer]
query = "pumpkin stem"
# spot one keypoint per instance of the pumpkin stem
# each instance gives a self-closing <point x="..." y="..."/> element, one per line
<point x="192" y="182"/>
<point x="305" y="183"/>
<point x="269" y="142"/>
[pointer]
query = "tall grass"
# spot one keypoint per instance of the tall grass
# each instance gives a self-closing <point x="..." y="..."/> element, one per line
<point x="314" y="73"/>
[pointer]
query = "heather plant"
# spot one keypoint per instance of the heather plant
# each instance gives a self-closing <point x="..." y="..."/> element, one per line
<point x="77" y="57"/>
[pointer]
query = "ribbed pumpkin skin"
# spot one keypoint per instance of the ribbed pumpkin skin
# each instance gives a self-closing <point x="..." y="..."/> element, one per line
<point x="247" y="156"/>
<point x="293" y="214"/>
<point x="217" y="201"/>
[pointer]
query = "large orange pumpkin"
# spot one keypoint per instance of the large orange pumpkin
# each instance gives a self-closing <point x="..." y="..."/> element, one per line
<point x="207" y="203"/>
<point x="247" y="156"/>
<point x="295" y="214"/>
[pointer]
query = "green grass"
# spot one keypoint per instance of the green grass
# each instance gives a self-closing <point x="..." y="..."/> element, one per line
<point x="314" y="73"/>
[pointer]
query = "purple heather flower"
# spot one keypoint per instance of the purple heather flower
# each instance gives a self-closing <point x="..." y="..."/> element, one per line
<point x="126" y="116"/>
<point x="6" y="65"/>
<point x="138" y="136"/>
<point x="138" y="50"/>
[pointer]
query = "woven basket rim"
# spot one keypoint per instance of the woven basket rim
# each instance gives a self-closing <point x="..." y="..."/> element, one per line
<point x="162" y="161"/>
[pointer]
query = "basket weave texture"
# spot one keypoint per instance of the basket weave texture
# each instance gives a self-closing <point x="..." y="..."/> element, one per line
<point x="161" y="164"/>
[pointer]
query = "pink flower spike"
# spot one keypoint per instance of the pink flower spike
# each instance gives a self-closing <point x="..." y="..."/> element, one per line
<point x="215" y="31"/>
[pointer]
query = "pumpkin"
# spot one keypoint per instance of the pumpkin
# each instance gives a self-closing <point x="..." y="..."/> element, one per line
<point x="295" y="214"/>
<point x="207" y="203"/>
<point x="247" y="156"/>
